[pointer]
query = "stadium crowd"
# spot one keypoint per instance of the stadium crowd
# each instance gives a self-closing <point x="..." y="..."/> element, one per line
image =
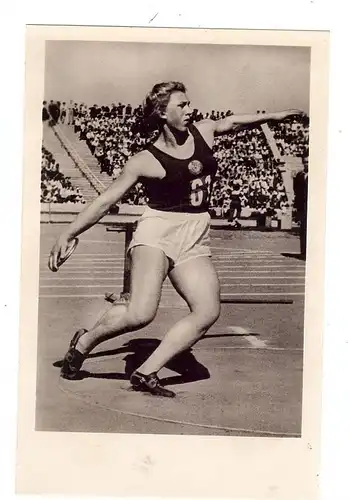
<point x="55" y="187"/>
<point x="245" y="160"/>
<point x="113" y="134"/>
<point x="292" y="136"/>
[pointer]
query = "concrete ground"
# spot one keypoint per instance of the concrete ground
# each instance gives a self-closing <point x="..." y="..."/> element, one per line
<point x="254" y="353"/>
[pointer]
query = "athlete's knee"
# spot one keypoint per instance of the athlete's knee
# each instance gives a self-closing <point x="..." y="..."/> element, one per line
<point x="208" y="315"/>
<point x="112" y="317"/>
<point x="140" y="315"/>
<point x="212" y="314"/>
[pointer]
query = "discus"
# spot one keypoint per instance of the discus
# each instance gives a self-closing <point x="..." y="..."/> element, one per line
<point x="71" y="248"/>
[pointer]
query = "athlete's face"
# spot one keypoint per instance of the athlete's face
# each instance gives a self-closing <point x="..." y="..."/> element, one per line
<point x="178" y="111"/>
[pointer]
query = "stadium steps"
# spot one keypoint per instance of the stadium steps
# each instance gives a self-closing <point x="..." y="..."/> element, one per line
<point x="84" y="152"/>
<point x="67" y="165"/>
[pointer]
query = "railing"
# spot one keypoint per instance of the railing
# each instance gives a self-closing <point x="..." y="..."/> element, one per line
<point x="80" y="163"/>
<point x="271" y="141"/>
<point x="64" y="213"/>
<point x="288" y="166"/>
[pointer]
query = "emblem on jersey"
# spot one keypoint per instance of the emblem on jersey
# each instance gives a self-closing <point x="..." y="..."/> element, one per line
<point x="195" y="167"/>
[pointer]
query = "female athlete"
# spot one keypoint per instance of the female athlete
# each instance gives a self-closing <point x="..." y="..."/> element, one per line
<point x="172" y="236"/>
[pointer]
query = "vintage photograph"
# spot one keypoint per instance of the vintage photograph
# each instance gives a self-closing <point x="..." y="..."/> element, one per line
<point x="175" y="253"/>
<point x="198" y="154"/>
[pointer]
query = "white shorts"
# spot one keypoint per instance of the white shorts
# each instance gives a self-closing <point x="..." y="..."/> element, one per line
<point x="181" y="236"/>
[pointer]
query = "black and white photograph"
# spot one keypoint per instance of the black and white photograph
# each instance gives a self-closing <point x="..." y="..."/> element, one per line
<point x="175" y="249"/>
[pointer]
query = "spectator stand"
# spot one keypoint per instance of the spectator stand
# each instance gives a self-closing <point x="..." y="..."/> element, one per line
<point x="262" y="159"/>
<point x="56" y="187"/>
<point x="79" y="162"/>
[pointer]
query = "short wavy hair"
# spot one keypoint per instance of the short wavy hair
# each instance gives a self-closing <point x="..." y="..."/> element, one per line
<point x="157" y="100"/>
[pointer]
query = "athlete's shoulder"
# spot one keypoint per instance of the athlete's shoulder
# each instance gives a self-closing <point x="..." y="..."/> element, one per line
<point x="141" y="156"/>
<point x="144" y="164"/>
<point x="206" y="128"/>
<point x="207" y="125"/>
<point x="138" y="159"/>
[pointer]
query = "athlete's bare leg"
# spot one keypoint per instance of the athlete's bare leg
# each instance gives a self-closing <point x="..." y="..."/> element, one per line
<point x="197" y="282"/>
<point x="149" y="269"/>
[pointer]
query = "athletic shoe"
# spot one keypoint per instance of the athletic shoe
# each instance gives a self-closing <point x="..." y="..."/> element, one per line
<point x="149" y="383"/>
<point x="73" y="359"/>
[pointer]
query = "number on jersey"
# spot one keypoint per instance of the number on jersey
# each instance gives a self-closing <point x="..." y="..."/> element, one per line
<point x="200" y="190"/>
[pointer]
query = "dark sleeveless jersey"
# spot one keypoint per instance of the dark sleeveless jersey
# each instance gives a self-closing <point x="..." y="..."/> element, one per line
<point x="187" y="184"/>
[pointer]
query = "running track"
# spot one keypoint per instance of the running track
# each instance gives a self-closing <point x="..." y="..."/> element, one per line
<point x="97" y="267"/>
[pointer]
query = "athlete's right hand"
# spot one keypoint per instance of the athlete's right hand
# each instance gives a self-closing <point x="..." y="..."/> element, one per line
<point x="58" y="251"/>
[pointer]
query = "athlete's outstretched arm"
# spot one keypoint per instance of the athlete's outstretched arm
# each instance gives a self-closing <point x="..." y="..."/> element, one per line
<point x="236" y="122"/>
<point x="97" y="209"/>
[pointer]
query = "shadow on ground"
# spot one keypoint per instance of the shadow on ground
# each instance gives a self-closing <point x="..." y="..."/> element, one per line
<point x="185" y="364"/>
